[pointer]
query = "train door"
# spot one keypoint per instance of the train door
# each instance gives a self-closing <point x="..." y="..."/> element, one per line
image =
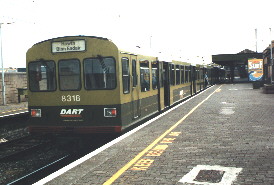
<point x="204" y="78"/>
<point x="198" y="78"/>
<point x="135" y="97"/>
<point x="166" y="84"/>
<point x="161" y="89"/>
<point x="193" y="79"/>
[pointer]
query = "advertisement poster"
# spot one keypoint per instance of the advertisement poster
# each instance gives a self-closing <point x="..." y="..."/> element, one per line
<point x="255" y="69"/>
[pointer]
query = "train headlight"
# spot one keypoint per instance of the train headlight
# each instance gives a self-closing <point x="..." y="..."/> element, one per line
<point x="110" y="112"/>
<point x="35" y="113"/>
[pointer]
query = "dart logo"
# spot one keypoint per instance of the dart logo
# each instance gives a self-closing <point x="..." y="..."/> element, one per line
<point x="76" y="113"/>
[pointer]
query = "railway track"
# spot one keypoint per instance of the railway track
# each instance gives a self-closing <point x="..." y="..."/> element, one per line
<point x="43" y="171"/>
<point x="38" y="162"/>
<point x="25" y="159"/>
<point x="19" y="147"/>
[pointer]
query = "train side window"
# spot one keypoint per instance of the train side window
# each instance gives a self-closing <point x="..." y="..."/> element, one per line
<point x="154" y="72"/>
<point x="144" y="76"/>
<point x="161" y="73"/>
<point x="42" y="76"/>
<point x="177" y="74"/>
<point x="187" y="74"/>
<point x="134" y="73"/>
<point x="125" y="75"/>
<point x="172" y="74"/>
<point x="100" y="73"/>
<point x="197" y="73"/>
<point x="69" y="75"/>
<point x="202" y="74"/>
<point x="182" y="74"/>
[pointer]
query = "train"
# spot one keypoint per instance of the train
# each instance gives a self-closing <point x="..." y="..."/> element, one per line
<point x="80" y="85"/>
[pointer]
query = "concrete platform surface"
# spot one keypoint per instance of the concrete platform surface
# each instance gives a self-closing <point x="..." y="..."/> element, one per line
<point x="224" y="135"/>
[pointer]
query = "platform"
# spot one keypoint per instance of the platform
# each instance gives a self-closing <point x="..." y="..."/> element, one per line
<point x="224" y="135"/>
<point x="13" y="109"/>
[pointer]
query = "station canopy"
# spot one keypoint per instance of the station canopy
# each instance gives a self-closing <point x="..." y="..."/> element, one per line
<point x="240" y="58"/>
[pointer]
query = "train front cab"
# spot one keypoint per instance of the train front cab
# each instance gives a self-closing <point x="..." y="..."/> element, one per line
<point x="74" y="92"/>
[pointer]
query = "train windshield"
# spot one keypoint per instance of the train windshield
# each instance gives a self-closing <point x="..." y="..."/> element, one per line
<point x="69" y="75"/>
<point x="100" y="73"/>
<point x="42" y="76"/>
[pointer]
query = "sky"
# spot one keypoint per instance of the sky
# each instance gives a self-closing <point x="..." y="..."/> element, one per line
<point x="188" y="30"/>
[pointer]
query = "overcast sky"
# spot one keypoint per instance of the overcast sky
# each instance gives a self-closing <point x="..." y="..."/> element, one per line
<point x="181" y="28"/>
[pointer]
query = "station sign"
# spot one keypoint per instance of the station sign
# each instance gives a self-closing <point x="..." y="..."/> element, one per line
<point x="255" y="69"/>
<point x="68" y="46"/>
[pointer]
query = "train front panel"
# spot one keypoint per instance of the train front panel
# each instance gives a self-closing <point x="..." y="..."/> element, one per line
<point x="74" y="86"/>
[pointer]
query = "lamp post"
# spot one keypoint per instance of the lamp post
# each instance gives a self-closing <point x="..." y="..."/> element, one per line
<point x="2" y="66"/>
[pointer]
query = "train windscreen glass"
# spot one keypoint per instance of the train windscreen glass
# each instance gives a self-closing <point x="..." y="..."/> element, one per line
<point x="42" y="76"/>
<point x="69" y="75"/>
<point x="100" y="73"/>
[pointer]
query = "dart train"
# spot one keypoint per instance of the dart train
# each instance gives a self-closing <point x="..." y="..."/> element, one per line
<point x="84" y="85"/>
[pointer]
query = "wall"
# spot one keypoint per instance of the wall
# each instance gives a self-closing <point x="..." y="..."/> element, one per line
<point x="12" y="82"/>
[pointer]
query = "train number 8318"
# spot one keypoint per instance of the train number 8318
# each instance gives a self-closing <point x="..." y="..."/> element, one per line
<point x="71" y="98"/>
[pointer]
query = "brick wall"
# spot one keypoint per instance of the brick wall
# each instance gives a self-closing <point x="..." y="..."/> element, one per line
<point x="12" y="82"/>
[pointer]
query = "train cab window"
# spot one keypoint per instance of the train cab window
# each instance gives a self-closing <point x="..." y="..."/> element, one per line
<point x="125" y="75"/>
<point x="144" y="76"/>
<point x="182" y="74"/>
<point x="42" y="76"/>
<point x="69" y="75"/>
<point x="172" y="74"/>
<point x="154" y="72"/>
<point x="177" y="74"/>
<point x="99" y="73"/>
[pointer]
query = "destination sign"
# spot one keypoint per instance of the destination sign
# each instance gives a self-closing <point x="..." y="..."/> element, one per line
<point x="68" y="46"/>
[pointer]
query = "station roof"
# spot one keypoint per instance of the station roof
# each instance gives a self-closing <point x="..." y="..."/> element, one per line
<point x="235" y="59"/>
